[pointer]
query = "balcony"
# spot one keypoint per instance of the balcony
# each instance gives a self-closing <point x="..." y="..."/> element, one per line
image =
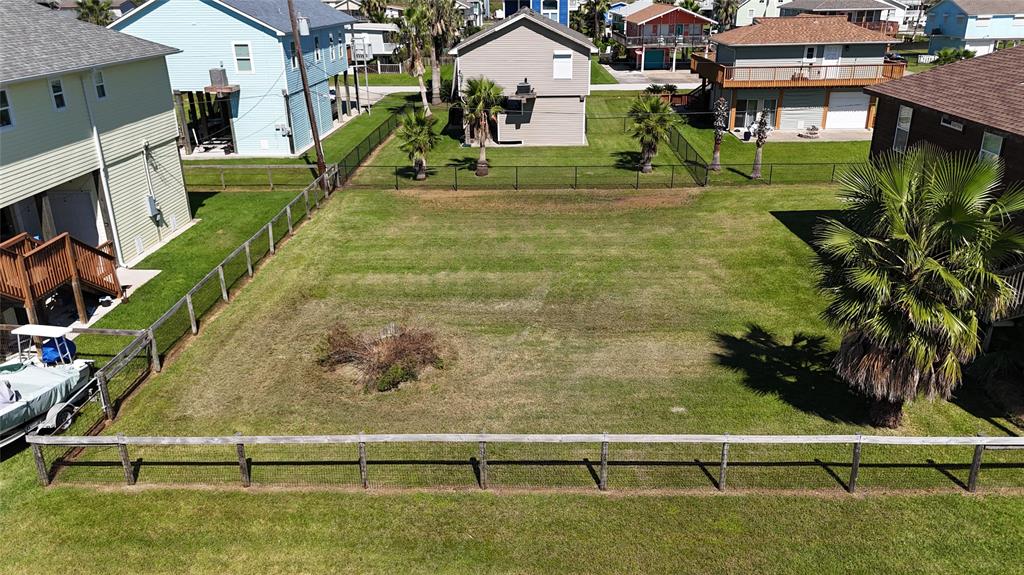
<point x="800" y="76"/>
<point x="886" y="27"/>
<point x="665" y="40"/>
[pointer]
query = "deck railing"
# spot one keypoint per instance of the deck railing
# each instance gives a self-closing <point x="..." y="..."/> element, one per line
<point x="663" y="39"/>
<point x="806" y="75"/>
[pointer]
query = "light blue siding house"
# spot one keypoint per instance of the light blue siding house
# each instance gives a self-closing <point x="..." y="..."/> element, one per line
<point x="977" y="25"/>
<point x="236" y="81"/>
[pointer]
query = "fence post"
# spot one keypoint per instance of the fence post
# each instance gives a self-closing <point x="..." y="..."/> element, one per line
<point x="223" y="186"/>
<point x="248" y="258"/>
<point x="396" y="178"/>
<point x="37" y="454"/>
<point x="575" y="177"/>
<point x="482" y="463"/>
<point x="191" y="313"/>
<point x="270" y="234"/>
<point x="223" y="283"/>
<point x="126" y="463"/>
<point x="516" y="185"/>
<point x="972" y="479"/>
<point x="243" y="463"/>
<point x="723" y="466"/>
<point x="270" y="178"/>
<point x="363" y="475"/>
<point x="101" y="383"/>
<point x="771" y="170"/>
<point x="638" y="178"/>
<point x="154" y="351"/>
<point x="602" y="478"/>
<point x="305" y="198"/>
<point x="288" y="214"/>
<point x="456" y="168"/>
<point x="833" y="178"/>
<point x="672" y="179"/>
<point x="855" y="466"/>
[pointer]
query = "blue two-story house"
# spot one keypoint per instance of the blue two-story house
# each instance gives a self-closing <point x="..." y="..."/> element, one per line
<point x="977" y="25"/>
<point x="236" y="82"/>
<point x="557" y="10"/>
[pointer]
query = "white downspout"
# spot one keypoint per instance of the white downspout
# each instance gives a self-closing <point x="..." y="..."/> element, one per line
<point x="104" y="181"/>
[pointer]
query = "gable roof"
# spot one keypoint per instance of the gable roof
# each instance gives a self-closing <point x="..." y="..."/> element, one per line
<point x="802" y="29"/>
<point x="827" y="5"/>
<point x="527" y="14"/>
<point x="954" y="88"/>
<point x="632" y="7"/>
<point x="37" y="42"/>
<point x="270" y="13"/>
<point x="658" y="10"/>
<point x="982" y="7"/>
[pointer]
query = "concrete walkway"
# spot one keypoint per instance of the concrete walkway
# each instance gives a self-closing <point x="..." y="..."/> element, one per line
<point x="378" y="92"/>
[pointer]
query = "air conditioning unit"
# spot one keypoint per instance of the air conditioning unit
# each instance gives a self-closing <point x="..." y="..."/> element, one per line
<point x="218" y="77"/>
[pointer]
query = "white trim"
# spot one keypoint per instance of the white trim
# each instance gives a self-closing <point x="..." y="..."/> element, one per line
<point x="53" y="97"/>
<point x="10" y="111"/>
<point x="234" y="56"/>
<point x="138" y="11"/>
<point x="674" y="9"/>
<point x="983" y="153"/>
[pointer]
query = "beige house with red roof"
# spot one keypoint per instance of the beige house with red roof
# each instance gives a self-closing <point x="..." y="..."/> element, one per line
<point x="802" y="71"/>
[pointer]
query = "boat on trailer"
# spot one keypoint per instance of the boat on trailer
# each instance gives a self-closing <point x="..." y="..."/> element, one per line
<point x="40" y="387"/>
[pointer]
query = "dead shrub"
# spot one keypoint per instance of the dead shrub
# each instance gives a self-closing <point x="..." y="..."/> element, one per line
<point x="395" y="355"/>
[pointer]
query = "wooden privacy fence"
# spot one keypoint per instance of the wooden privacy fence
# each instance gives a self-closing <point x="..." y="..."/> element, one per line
<point x="627" y="461"/>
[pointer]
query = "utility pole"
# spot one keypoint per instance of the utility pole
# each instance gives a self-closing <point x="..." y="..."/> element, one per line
<point x="321" y="166"/>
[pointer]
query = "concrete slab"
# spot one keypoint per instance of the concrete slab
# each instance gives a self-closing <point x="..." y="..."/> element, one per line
<point x="823" y="136"/>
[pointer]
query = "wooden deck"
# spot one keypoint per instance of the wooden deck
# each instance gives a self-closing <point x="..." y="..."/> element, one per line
<point x="31" y="270"/>
<point x="803" y="76"/>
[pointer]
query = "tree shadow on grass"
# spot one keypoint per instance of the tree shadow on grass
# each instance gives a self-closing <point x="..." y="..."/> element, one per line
<point x="196" y="200"/>
<point x="627" y="160"/>
<point x="803" y="222"/>
<point x="799" y="372"/>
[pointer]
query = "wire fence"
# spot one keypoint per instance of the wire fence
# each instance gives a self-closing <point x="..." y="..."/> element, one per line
<point x="582" y="461"/>
<point x="521" y="177"/>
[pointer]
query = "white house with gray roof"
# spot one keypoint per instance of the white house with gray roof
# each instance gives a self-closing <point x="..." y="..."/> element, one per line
<point x="87" y="136"/>
<point x="543" y="69"/>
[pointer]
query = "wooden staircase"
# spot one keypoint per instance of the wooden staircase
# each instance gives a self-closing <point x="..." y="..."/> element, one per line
<point x="31" y="270"/>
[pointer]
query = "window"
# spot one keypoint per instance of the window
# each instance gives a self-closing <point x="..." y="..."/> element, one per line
<point x="562" y="65"/>
<point x="243" y="57"/>
<point x="983" y="21"/>
<point x="768" y="108"/>
<point x="1018" y="20"/>
<point x="948" y="121"/>
<point x="991" y="146"/>
<point x="6" y="115"/>
<point x="549" y="9"/>
<point x="316" y="48"/>
<point x="330" y="46"/>
<point x="899" y="143"/>
<point x="750" y="13"/>
<point x="97" y="81"/>
<point x="57" y="94"/>
<point x="810" y="53"/>
<point x="295" y="60"/>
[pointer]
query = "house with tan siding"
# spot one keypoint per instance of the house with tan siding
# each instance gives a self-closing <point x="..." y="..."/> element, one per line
<point x="542" y="67"/>
<point x="88" y="145"/>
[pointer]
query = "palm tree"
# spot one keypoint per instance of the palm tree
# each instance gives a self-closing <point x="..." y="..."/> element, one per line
<point x="599" y="8"/>
<point x="652" y="119"/>
<point x="374" y="10"/>
<point x="725" y="12"/>
<point x="445" y="24"/>
<point x="95" y="11"/>
<point x="417" y="136"/>
<point x="909" y="271"/>
<point x="760" y="129"/>
<point x="721" y="124"/>
<point x="691" y="5"/>
<point x="481" y="103"/>
<point x="414" y="33"/>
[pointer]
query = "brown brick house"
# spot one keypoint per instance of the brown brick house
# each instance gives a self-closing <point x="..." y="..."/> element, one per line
<point x="975" y="105"/>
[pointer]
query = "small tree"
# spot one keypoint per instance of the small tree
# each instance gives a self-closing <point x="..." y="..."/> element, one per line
<point x="725" y="12"/>
<point x="760" y="129"/>
<point x="414" y="33"/>
<point x="654" y="89"/>
<point x="417" y="136"/>
<point x="481" y="103"/>
<point x="652" y="120"/>
<point x="95" y="11"/>
<point x="721" y="123"/>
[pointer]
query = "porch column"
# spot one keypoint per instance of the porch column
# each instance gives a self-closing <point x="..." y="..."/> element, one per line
<point x="674" y="48"/>
<point x="45" y="215"/>
<point x="336" y="109"/>
<point x="76" y="283"/>
<point x="824" y="109"/>
<point x="179" y="111"/>
<point x="348" y="95"/>
<point x="643" y="57"/>
<point x="359" y="105"/>
<point x="778" y="108"/>
<point x="732" y="110"/>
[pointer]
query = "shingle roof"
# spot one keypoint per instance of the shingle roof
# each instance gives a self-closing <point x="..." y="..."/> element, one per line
<point x="825" y="5"/>
<point x="274" y="13"/>
<point x="803" y="29"/>
<point x="981" y="89"/>
<point x="37" y="42"/>
<point x="656" y="10"/>
<point x="529" y="14"/>
<point x="974" y="7"/>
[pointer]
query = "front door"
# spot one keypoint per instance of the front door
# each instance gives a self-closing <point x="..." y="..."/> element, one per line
<point x="831" y="57"/>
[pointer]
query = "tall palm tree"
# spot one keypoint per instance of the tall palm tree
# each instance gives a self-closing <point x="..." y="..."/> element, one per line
<point x="910" y="270"/>
<point x="652" y="120"/>
<point x="95" y="11"/>
<point x="481" y="103"/>
<point x="691" y="5"/>
<point x="374" y="10"/>
<point x="417" y="138"/>
<point x="414" y="34"/>
<point x="725" y="12"/>
<point x="445" y="24"/>
<point x="599" y="8"/>
<point x="760" y="129"/>
<point x="721" y="124"/>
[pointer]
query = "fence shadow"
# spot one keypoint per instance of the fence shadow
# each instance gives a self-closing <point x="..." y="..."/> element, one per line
<point x="798" y="372"/>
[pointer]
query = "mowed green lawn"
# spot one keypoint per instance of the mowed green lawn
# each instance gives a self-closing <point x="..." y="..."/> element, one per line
<point x="598" y="74"/>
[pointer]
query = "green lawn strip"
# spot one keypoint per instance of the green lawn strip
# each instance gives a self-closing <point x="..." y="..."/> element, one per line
<point x="403" y="79"/>
<point x="598" y="74"/>
<point x="225" y="221"/>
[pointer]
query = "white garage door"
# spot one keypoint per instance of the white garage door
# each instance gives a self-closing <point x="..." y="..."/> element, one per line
<point x="847" y="110"/>
<point x="980" y="48"/>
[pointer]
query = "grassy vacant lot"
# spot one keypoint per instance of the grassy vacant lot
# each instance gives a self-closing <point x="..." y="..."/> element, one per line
<point x="598" y="75"/>
<point x="562" y="312"/>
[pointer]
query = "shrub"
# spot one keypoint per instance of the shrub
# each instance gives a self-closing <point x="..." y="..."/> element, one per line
<point x="385" y="360"/>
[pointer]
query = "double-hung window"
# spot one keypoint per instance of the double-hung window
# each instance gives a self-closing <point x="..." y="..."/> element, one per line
<point x="243" y="57"/>
<point x="562" y="63"/>
<point x="991" y="146"/>
<point x="57" y="94"/>
<point x="316" y="48"/>
<point x="330" y="45"/>
<point x="6" y="114"/>
<point x="295" y="58"/>
<point x="810" y="53"/>
<point x="899" y="142"/>
<point x="99" y="84"/>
